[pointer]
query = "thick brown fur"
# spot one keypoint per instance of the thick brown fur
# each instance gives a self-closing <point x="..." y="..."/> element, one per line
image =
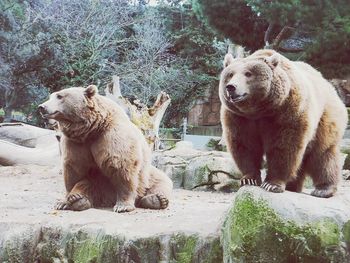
<point x="106" y="160"/>
<point x="287" y="112"/>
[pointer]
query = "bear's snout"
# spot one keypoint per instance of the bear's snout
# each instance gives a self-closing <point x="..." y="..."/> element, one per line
<point x="233" y="95"/>
<point x="42" y="109"/>
<point x="231" y="89"/>
<point x="45" y="112"/>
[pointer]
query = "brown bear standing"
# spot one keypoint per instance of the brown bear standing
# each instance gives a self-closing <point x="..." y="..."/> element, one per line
<point x="287" y="111"/>
<point x="106" y="159"/>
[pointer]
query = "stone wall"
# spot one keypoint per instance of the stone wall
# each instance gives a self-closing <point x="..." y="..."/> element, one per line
<point x="206" y="110"/>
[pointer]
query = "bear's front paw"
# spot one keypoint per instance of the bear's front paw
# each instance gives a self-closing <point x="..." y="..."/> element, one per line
<point x="122" y="207"/>
<point x="76" y="202"/>
<point x="249" y="181"/>
<point x="273" y="187"/>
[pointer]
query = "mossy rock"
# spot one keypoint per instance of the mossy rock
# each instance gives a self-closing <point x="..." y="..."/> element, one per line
<point x="256" y="232"/>
<point x="187" y="249"/>
<point x="98" y="247"/>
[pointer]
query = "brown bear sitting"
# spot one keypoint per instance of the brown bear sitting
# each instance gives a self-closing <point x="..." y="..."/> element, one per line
<point x="287" y="111"/>
<point x="106" y="160"/>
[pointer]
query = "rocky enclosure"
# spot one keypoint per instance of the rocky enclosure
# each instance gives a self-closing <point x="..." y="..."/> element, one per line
<point x="203" y="225"/>
<point x="198" y="226"/>
<point x="31" y="231"/>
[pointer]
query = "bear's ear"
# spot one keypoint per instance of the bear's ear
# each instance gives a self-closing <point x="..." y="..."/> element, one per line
<point x="90" y="91"/>
<point x="228" y="59"/>
<point x="273" y="60"/>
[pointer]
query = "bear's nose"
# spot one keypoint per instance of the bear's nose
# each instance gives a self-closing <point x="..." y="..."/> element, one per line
<point x="230" y="88"/>
<point x="41" y="109"/>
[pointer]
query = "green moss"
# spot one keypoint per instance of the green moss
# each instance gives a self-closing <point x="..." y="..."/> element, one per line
<point x="346" y="232"/>
<point x="254" y="232"/>
<point x="82" y="248"/>
<point x="102" y="248"/>
<point x="328" y="232"/>
<point x="215" y="253"/>
<point x="201" y="173"/>
<point x="183" y="248"/>
<point x="144" y="250"/>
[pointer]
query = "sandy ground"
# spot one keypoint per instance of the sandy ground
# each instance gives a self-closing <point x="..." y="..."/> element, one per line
<point x="28" y="194"/>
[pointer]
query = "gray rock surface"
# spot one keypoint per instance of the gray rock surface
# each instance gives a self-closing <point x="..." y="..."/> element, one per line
<point x="25" y="144"/>
<point x="198" y="170"/>
<point x="188" y="231"/>
<point x="27" y="135"/>
<point x="287" y="227"/>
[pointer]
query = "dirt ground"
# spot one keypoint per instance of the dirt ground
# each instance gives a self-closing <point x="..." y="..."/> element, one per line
<point x="28" y="194"/>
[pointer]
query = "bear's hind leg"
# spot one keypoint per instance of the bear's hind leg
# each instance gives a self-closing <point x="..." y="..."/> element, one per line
<point x="157" y="197"/>
<point x="78" y="198"/>
<point x="324" y="168"/>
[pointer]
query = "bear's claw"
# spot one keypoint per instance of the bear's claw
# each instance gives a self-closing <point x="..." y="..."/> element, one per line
<point x="248" y="181"/>
<point x="76" y="202"/>
<point x="270" y="187"/>
<point x="122" y="207"/>
<point x="74" y="197"/>
<point x="163" y="201"/>
<point x="62" y="205"/>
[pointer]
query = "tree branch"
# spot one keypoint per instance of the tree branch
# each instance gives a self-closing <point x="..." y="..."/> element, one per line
<point x="290" y="50"/>
<point x="281" y="36"/>
<point x="268" y="34"/>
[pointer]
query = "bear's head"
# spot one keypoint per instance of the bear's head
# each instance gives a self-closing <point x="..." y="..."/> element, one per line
<point x="252" y="85"/>
<point x="77" y="111"/>
<point x="70" y="104"/>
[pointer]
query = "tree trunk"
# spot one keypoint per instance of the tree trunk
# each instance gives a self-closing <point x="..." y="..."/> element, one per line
<point x="10" y="97"/>
<point x="8" y="114"/>
<point x="145" y="118"/>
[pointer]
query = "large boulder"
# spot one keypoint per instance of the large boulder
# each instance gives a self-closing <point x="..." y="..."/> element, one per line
<point x="288" y="227"/>
<point x="14" y="154"/>
<point x="25" y="144"/>
<point x="27" y="135"/>
<point x="198" y="170"/>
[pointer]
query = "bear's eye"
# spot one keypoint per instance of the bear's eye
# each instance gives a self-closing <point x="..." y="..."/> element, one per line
<point x="230" y="75"/>
<point x="59" y="96"/>
<point x="248" y="74"/>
